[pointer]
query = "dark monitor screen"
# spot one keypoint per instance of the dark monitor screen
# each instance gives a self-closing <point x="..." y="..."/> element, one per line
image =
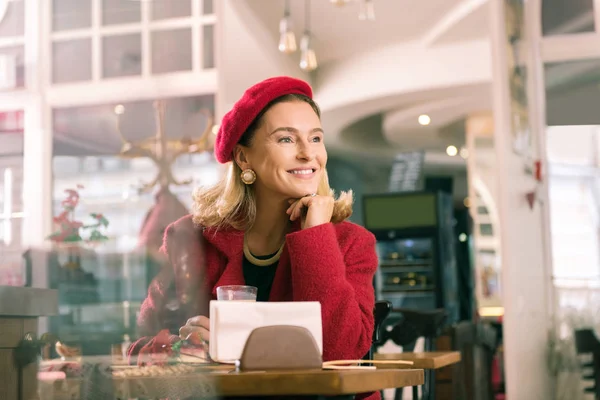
<point x="401" y="211"/>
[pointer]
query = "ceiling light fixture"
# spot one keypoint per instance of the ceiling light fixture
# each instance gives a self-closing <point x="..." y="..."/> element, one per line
<point x="464" y="153"/>
<point x="287" y="38"/>
<point x="308" y="58"/>
<point x="451" y="151"/>
<point x="424" y="119"/>
<point x="367" y="10"/>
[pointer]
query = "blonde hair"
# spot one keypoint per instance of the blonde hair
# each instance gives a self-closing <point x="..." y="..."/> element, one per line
<point x="231" y="203"/>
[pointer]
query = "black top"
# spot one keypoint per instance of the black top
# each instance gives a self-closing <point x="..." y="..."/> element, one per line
<point x="260" y="276"/>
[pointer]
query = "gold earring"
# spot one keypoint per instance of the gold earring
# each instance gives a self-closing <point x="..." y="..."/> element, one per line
<point x="248" y="176"/>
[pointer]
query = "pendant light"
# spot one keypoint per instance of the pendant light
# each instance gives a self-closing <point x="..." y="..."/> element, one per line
<point x="287" y="38"/>
<point x="308" y="58"/>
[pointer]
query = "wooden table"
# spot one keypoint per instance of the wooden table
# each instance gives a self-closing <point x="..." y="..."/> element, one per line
<point x="223" y="381"/>
<point x="425" y="360"/>
<point x="429" y="361"/>
<point x="272" y="383"/>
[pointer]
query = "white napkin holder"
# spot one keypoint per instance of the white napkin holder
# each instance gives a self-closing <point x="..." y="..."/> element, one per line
<point x="232" y="322"/>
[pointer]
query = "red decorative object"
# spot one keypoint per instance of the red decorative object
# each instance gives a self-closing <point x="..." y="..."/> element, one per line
<point x="167" y="209"/>
<point x="69" y="229"/>
<point x="537" y="170"/>
<point x="257" y="97"/>
<point x="166" y="348"/>
<point x="161" y="350"/>
<point x="531" y="199"/>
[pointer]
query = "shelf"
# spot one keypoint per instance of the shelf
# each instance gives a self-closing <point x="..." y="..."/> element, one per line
<point x="390" y="294"/>
<point x="409" y="290"/>
<point x="389" y="270"/>
<point x="117" y="304"/>
<point x="406" y="264"/>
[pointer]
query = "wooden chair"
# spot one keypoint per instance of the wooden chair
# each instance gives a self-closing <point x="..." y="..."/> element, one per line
<point x="380" y="313"/>
<point x="414" y="324"/>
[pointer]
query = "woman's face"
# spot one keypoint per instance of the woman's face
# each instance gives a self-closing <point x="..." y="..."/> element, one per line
<point x="287" y="151"/>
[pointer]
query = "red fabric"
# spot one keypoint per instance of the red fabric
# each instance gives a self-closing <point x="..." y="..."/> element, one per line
<point x="166" y="210"/>
<point x="331" y="263"/>
<point x="236" y="121"/>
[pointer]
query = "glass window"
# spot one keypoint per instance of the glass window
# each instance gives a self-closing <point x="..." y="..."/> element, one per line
<point x="13" y="58"/>
<point x="165" y="9"/>
<point x="171" y="50"/>
<point x="13" y="23"/>
<point x="572" y="93"/>
<point x="101" y="287"/>
<point x="72" y="61"/>
<point x="120" y="12"/>
<point x="208" y="7"/>
<point x="574" y="226"/>
<point x="71" y="14"/>
<point x="560" y="17"/>
<point x="122" y="55"/>
<point x="572" y="144"/>
<point x="208" y="47"/>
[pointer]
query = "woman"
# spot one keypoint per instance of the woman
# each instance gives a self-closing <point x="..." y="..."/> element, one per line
<point x="272" y="222"/>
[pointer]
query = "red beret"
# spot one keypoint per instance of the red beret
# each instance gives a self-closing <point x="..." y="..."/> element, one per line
<point x="236" y="121"/>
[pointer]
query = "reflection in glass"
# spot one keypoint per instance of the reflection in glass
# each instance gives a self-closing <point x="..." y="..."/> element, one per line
<point x="122" y="55"/>
<point x="101" y="287"/>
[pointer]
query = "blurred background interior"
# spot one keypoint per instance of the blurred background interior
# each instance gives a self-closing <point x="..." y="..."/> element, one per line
<point x="468" y="130"/>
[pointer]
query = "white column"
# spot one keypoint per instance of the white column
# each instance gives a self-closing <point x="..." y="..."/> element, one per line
<point x="37" y="140"/>
<point x="525" y="276"/>
<point x="37" y="157"/>
<point x="37" y="175"/>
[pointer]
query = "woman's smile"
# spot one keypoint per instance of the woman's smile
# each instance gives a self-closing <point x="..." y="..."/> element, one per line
<point x="303" y="173"/>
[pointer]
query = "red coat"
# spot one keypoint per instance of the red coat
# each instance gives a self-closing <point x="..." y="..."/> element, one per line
<point x="330" y="263"/>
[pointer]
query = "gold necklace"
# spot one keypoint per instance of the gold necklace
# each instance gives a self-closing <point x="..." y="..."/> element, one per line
<point x="262" y="262"/>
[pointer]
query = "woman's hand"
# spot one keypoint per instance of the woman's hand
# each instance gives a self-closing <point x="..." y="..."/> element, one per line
<point x="196" y="330"/>
<point x="314" y="210"/>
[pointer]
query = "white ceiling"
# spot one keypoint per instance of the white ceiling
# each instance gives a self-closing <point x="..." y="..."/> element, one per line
<point x="337" y="32"/>
<point x="339" y="35"/>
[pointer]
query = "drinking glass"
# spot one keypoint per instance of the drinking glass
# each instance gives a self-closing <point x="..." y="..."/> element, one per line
<point x="237" y="293"/>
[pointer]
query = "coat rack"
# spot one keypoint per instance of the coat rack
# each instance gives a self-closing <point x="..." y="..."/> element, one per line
<point x="164" y="152"/>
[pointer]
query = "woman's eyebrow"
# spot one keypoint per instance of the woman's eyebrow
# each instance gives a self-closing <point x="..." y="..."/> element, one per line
<point x="294" y="130"/>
